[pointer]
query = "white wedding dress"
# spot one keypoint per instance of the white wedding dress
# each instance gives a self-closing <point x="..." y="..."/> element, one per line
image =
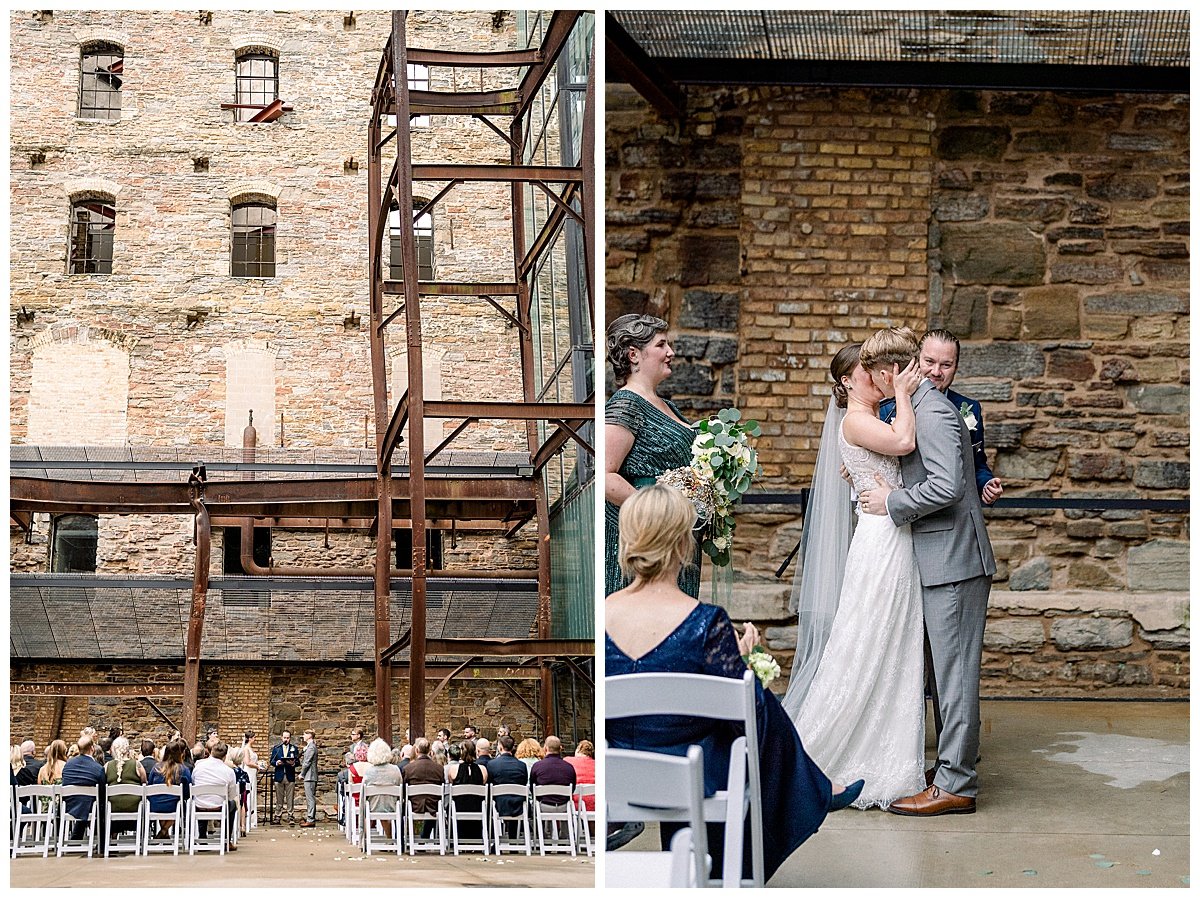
<point x="864" y="714"/>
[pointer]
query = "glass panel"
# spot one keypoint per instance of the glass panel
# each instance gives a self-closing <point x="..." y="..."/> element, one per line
<point x="92" y="225"/>
<point x="101" y="71"/>
<point x="257" y="84"/>
<point x="252" y="251"/>
<point x="74" y="548"/>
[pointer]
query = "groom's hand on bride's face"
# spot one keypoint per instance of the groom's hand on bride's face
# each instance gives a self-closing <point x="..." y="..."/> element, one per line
<point x="874" y="501"/>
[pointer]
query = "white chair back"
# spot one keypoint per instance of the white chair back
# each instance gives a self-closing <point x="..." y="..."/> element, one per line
<point x="218" y="815"/>
<point x="66" y="844"/>
<point x="520" y="819"/>
<point x="155" y="819"/>
<point x="415" y="842"/>
<point x="547" y="817"/>
<point x="353" y="813"/>
<point x="35" y="811"/>
<point x="671" y="788"/>
<point x="134" y="817"/>
<point x="714" y="698"/>
<point x="583" y="815"/>
<point x="376" y="841"/>
<point x="458" y="815"/>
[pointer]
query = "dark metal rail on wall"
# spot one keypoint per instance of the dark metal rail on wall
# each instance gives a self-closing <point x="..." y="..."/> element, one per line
<point x="1046" y="503"/>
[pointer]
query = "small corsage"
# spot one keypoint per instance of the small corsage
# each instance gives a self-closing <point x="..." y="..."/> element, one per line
<point x="765" y="667"/>
<point x="968" y="416"/>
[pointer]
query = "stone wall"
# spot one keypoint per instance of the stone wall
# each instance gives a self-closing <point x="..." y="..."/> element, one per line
<point x="269" y="700"/>
<point x="1049" y="231"/>
<point x="162" y="334"/>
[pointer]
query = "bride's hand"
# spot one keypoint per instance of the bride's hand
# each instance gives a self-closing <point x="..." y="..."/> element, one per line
<point x="908" y="380"/>
<point x="749" y="638"/>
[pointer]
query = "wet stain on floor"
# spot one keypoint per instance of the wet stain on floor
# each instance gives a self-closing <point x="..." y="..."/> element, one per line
<point x="1127" y="761"/>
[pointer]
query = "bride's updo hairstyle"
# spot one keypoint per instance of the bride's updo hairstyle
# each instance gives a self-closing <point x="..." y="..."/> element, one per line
<point x="842" y="365"/>
<point x="890" y="346"/>
<point x="626" y="333"/>
<point x="656" y="532"/>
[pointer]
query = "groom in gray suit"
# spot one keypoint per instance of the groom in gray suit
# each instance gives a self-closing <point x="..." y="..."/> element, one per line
<point x="954" y="557"/>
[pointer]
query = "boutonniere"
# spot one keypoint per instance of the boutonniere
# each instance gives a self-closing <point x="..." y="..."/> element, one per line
<point x="968" y="416"/>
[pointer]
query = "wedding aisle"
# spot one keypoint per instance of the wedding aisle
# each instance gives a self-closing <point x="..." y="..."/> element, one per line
<point x="1073" y="794"/>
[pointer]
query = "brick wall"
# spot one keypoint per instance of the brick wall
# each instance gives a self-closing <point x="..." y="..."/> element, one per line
<point x="1049" y="231"/>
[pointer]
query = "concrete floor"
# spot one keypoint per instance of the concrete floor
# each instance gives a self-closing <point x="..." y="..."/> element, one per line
<point x="1073" y="794"/>
<point x="289" y="857"/>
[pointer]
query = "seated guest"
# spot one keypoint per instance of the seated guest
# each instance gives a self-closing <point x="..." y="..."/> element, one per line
<point x="381" y="772"/>
<point x="424" y="771"/>
<point x="50" y="773"/>
<point x="170" y="771"/>
<point x="656" y="540"/>
<point x="468" y="772"/>
<point x="406" y="755"/>
<point x="483" y="752"/>
<point x="552" y="770"/>
<point x="30" y="765"/>
<point x="584" y="762"/>
<point x="147" y="760"/>
<point x="123" y="770"/>
<point x="82" y="770"/>
<point x="236" y="759"/>
<point x="506" y="770"/>
<point x="213" y="771"/>
<point x="529" y="751"/>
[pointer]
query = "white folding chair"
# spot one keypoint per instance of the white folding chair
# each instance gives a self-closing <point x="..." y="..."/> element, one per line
<point x="714" y="698"/>
<point x="135" y="817"/>
<point x="583" y="815"/>
<point x="457" y="815"/>
<point x="150" y="843"/>
<point x="436" y="842"/>
<point x="371" y="818"/>
<point x="499" y="839"/>
<point x="547" y="817"/>
<point x="252" y="802"/>
<point x="35" y="809"/>
<point x="67" y="845"/>
<point x="672" y="788"/>
<point x="353" y="813"/>
<point x="218" y="815"/>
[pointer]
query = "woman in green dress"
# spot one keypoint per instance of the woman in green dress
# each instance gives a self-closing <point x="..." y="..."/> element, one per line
<point x="644" y="434"/>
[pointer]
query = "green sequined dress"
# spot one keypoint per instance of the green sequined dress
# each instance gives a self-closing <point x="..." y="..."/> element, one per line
<point x="660" y="443"/>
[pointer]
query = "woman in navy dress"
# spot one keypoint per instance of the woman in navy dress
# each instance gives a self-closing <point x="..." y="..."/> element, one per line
<point x="652" y="626"/>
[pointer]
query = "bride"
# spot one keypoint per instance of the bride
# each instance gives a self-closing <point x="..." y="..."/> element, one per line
<point x="856" y="686"/>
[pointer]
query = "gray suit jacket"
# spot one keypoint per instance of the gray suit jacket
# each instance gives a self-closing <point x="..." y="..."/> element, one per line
<point x="308" y="763"/>
<point x="939" y="498"/>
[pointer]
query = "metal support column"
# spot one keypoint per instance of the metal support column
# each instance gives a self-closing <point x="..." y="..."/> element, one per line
<point x="191" y="667"/>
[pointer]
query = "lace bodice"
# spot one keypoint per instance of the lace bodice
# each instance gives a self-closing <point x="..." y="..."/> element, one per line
<point x="863" y="465"/>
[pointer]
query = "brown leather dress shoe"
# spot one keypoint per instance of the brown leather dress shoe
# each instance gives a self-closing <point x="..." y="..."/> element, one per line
<point x="932" y="802"/>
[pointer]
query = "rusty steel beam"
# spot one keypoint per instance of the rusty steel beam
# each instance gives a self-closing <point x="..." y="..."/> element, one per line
<point x="588" y="163"/>
<point x="625" y="59"/>
<point x="555" y="442"/>
<point x="514" y="172"/>
<point x="490" y="59"/>
<point x="195" y="630"/>
<point x="511" y="411"/>
<point x="391" y="438"/>
<point x="495" y="102"/>
<point x="402" y="189"/>
<point x="557" y="32"/>
<point x="108" y="690"/>
<point x="448" y="288"/>
<point x="352" y="523"/>
<point x="511" y="648"/>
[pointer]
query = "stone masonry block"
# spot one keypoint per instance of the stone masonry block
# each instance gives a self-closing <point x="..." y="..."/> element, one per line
<point x="1091" y="633"/>
<point x="1014" y="636"/>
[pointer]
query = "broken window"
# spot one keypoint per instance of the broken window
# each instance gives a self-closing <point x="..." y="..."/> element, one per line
<point x="423" y="230"/>
<point x="93" y="222"/>
<point x="73" y="545"/>
<point x="231" y="562"/>
<point x="101" y="68"/>
<point x="257" y="84"/>
<point x="253" y="254"/>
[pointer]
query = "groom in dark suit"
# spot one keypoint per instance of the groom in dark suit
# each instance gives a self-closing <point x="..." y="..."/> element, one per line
<point x="954" y="556"/>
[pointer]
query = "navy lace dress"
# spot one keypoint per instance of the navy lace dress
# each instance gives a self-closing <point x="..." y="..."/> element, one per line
<point x="660" y="443"/>
<point x="796" y="793"/>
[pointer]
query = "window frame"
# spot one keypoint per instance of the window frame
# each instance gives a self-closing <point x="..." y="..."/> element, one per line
<point x="87" y="252"/>
<point x="59" y="564"/>
<point x="424" y="234"/>
<point x="244" y="85"/>
<point x="253" y="266"/>
<point x="94" y="51"/>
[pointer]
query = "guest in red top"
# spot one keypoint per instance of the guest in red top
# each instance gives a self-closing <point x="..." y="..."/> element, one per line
<point x="584" y="762"/>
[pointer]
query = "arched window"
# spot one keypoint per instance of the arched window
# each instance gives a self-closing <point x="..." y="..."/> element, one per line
<point x="93" y="222"/>
<point x="73" y="545"/>
<point x="253" y="254"/>
<point x="423" y="230"/>
<point x="101" y="72"/>
<point x="257" y="83"/>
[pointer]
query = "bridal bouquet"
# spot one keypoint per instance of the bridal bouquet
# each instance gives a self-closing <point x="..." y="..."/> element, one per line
<point x="723" y="465"/>
<point x="765" y="667"/>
